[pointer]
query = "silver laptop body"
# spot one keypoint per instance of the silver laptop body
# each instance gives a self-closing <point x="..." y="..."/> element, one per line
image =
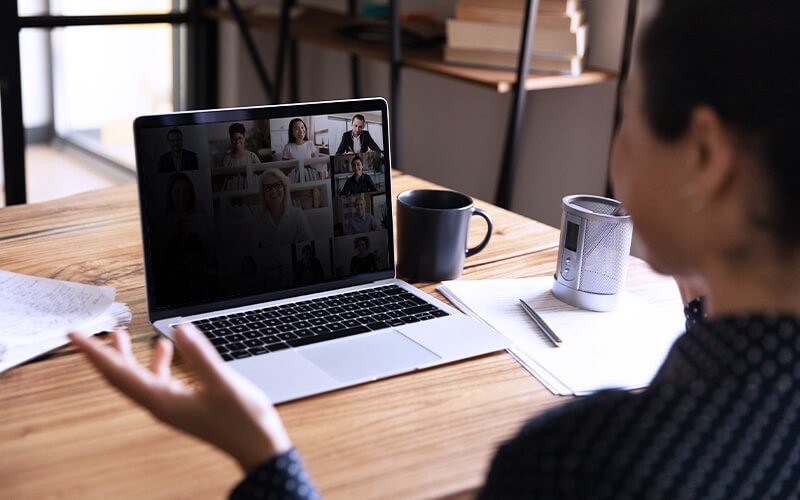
<point x="257" y="228"/>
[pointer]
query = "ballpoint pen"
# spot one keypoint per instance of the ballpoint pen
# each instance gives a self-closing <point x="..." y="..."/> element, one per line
<point x="548" y="332"/>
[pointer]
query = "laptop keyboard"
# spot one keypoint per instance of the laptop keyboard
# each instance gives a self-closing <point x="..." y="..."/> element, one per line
<point x="259" y="331"/>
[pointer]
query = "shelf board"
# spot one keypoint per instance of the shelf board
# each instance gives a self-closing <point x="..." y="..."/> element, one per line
<point x="318" y="27"/>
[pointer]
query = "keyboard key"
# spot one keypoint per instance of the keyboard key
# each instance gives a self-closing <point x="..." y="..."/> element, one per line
<point x="203" y="327"/>
<point x="276" y="347"/>
<point x="328" y="336"/>
<point x="377" y="325"/>
<point x="419" y="309"/>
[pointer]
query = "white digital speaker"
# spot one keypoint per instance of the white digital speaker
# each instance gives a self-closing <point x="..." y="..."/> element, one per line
<point x="593" y="252"/>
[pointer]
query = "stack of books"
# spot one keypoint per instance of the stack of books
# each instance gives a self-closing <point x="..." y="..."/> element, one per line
<point x="488" y="33"/>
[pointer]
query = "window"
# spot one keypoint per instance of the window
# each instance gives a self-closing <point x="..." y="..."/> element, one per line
<point x="86" y="84"/>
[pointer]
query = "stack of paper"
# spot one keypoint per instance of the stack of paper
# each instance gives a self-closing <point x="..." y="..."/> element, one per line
<point x="599" y="350"/>
<point x="37" y="313"/>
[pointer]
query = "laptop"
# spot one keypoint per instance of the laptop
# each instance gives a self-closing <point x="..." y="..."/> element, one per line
<point x="258" y="229"/>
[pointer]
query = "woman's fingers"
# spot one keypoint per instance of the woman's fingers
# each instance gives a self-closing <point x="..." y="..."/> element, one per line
<point x="98" y="353"/>
<point x="121" y="341"/>
<point x="162" y="358"/>
<point x="119" y="366"/>
<point x="198" y="352"/>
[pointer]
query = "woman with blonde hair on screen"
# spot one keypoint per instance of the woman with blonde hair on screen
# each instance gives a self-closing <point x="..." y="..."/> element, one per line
<point x="280" y="222"/>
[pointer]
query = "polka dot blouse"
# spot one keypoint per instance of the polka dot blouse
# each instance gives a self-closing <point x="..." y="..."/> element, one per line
<point x="721" y="419"/>
<point x="282" y="477"/>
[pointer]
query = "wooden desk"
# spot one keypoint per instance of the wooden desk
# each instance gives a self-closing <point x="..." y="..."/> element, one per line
<point x="65" y="433"/>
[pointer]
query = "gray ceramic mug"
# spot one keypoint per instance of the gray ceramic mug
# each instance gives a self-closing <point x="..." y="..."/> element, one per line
<point x="432" y="230"/>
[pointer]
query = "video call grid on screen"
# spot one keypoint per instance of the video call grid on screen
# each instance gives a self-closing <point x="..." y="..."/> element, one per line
<point x="236" y="209"/>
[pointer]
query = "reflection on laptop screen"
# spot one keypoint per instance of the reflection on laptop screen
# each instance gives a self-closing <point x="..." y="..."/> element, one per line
<point x="243" y="207"/>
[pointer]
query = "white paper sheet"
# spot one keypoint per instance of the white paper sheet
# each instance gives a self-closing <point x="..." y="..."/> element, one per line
<point x="622" y="349"/>
<point x="37" y="313"/>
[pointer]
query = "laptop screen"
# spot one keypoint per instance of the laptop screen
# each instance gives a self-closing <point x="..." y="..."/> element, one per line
<point x="263" y="202"/>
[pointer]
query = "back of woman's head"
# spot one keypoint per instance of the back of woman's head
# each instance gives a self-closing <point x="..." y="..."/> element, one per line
<point x="737" y="57"/>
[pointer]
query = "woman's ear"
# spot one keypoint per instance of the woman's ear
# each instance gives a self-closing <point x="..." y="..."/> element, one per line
<point x="714" y="153"/>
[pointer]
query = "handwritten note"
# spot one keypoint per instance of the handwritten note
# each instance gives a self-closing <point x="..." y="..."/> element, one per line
<point x="37" y="313"/>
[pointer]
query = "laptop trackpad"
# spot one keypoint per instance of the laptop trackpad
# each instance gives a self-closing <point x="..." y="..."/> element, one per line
<point x="369" y="356"/>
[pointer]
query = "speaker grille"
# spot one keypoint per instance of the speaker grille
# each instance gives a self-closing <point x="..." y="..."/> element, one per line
<point x="606" y="246"/>
<point x="596" y="206"/>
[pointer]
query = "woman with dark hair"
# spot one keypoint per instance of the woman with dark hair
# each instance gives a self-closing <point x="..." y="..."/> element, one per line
<point x="706" y="162"/>
<point x="181" y="198"/>
<point x="183" y="213"/>
<point x="238" y="156"/>
<point x="299" y="147"/>
<point x="362" y="261"/>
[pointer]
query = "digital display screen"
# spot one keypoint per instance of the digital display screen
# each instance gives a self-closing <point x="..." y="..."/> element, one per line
<point x="259" y="204"/>
<point x="571" y="240"/>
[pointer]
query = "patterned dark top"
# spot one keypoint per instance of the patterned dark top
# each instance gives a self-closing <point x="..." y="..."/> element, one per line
<point x="721" y="419"/>
<point x="282" y="477"/>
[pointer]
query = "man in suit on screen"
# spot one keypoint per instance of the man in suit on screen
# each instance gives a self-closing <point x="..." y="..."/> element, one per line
<point x="176" y="159"/>
<point x="357" y="140"/>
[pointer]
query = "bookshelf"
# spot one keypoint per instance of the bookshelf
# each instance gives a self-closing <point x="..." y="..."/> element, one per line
<point x="319" y="27"/>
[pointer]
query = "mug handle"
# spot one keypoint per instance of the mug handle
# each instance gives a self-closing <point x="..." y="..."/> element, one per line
<point x="482" y="244"/>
